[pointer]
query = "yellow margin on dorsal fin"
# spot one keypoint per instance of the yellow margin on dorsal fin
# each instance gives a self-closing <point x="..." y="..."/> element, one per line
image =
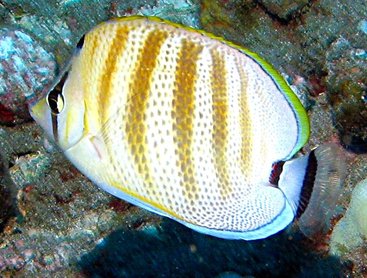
<point x="300" y="112"/>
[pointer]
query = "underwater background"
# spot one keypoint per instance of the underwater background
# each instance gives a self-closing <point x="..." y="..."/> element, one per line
<point x="55" y="222"/>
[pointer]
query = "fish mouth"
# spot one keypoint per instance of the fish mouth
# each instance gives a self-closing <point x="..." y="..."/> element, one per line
<point x="38" y="109"/>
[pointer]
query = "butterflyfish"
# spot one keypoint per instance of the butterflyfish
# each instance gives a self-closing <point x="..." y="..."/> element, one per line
<point x="192" y="127"/>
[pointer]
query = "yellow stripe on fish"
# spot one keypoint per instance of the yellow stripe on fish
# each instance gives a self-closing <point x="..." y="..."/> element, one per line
<point x="184" y="124"/>
<point x="220" y="118"/>
<point x="183" y="106"/>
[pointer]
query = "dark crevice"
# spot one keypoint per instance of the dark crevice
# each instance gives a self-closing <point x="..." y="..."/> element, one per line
<point x="8" y="207"/>
<point x="290" y="17"/>
<point x="20" y="154"/>
<point x="11" y="124"/>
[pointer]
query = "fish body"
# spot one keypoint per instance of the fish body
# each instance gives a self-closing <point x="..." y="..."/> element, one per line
<point x="184" y="124"/>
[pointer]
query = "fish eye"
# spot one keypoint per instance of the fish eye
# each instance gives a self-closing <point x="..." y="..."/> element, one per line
<point x="56" y="102"/>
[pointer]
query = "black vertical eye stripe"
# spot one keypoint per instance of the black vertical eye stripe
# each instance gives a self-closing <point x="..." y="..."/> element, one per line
<point x="53" y="99"/>
<point x="56" y="91"/>
<point x="54" y="126"/>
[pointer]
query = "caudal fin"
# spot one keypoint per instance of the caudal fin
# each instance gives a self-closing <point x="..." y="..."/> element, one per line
<point x="313" y="184"/>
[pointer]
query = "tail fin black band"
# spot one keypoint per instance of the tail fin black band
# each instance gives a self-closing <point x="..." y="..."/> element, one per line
<point x="312" y="185"/>
<point x="322" y="189"/>
<point x="308" y="184"/>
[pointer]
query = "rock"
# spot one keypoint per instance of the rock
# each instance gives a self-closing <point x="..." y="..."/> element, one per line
<point x="29" y="168"/>
<point x="181" y="11"/>
<point x="351" y="231"/>
<point x="25" y="70"/>
<point x="283" y="9"/>
<point x="362" y="26"/>
<point x="346" y="81"/>
<point x="320" y="117"/>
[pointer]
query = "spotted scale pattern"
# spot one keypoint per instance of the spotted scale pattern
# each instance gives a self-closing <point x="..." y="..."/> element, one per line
<point x="183" y="124"/>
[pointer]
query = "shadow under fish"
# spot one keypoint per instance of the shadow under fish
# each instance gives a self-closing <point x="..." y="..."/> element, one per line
<point x="176" y="251"/>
